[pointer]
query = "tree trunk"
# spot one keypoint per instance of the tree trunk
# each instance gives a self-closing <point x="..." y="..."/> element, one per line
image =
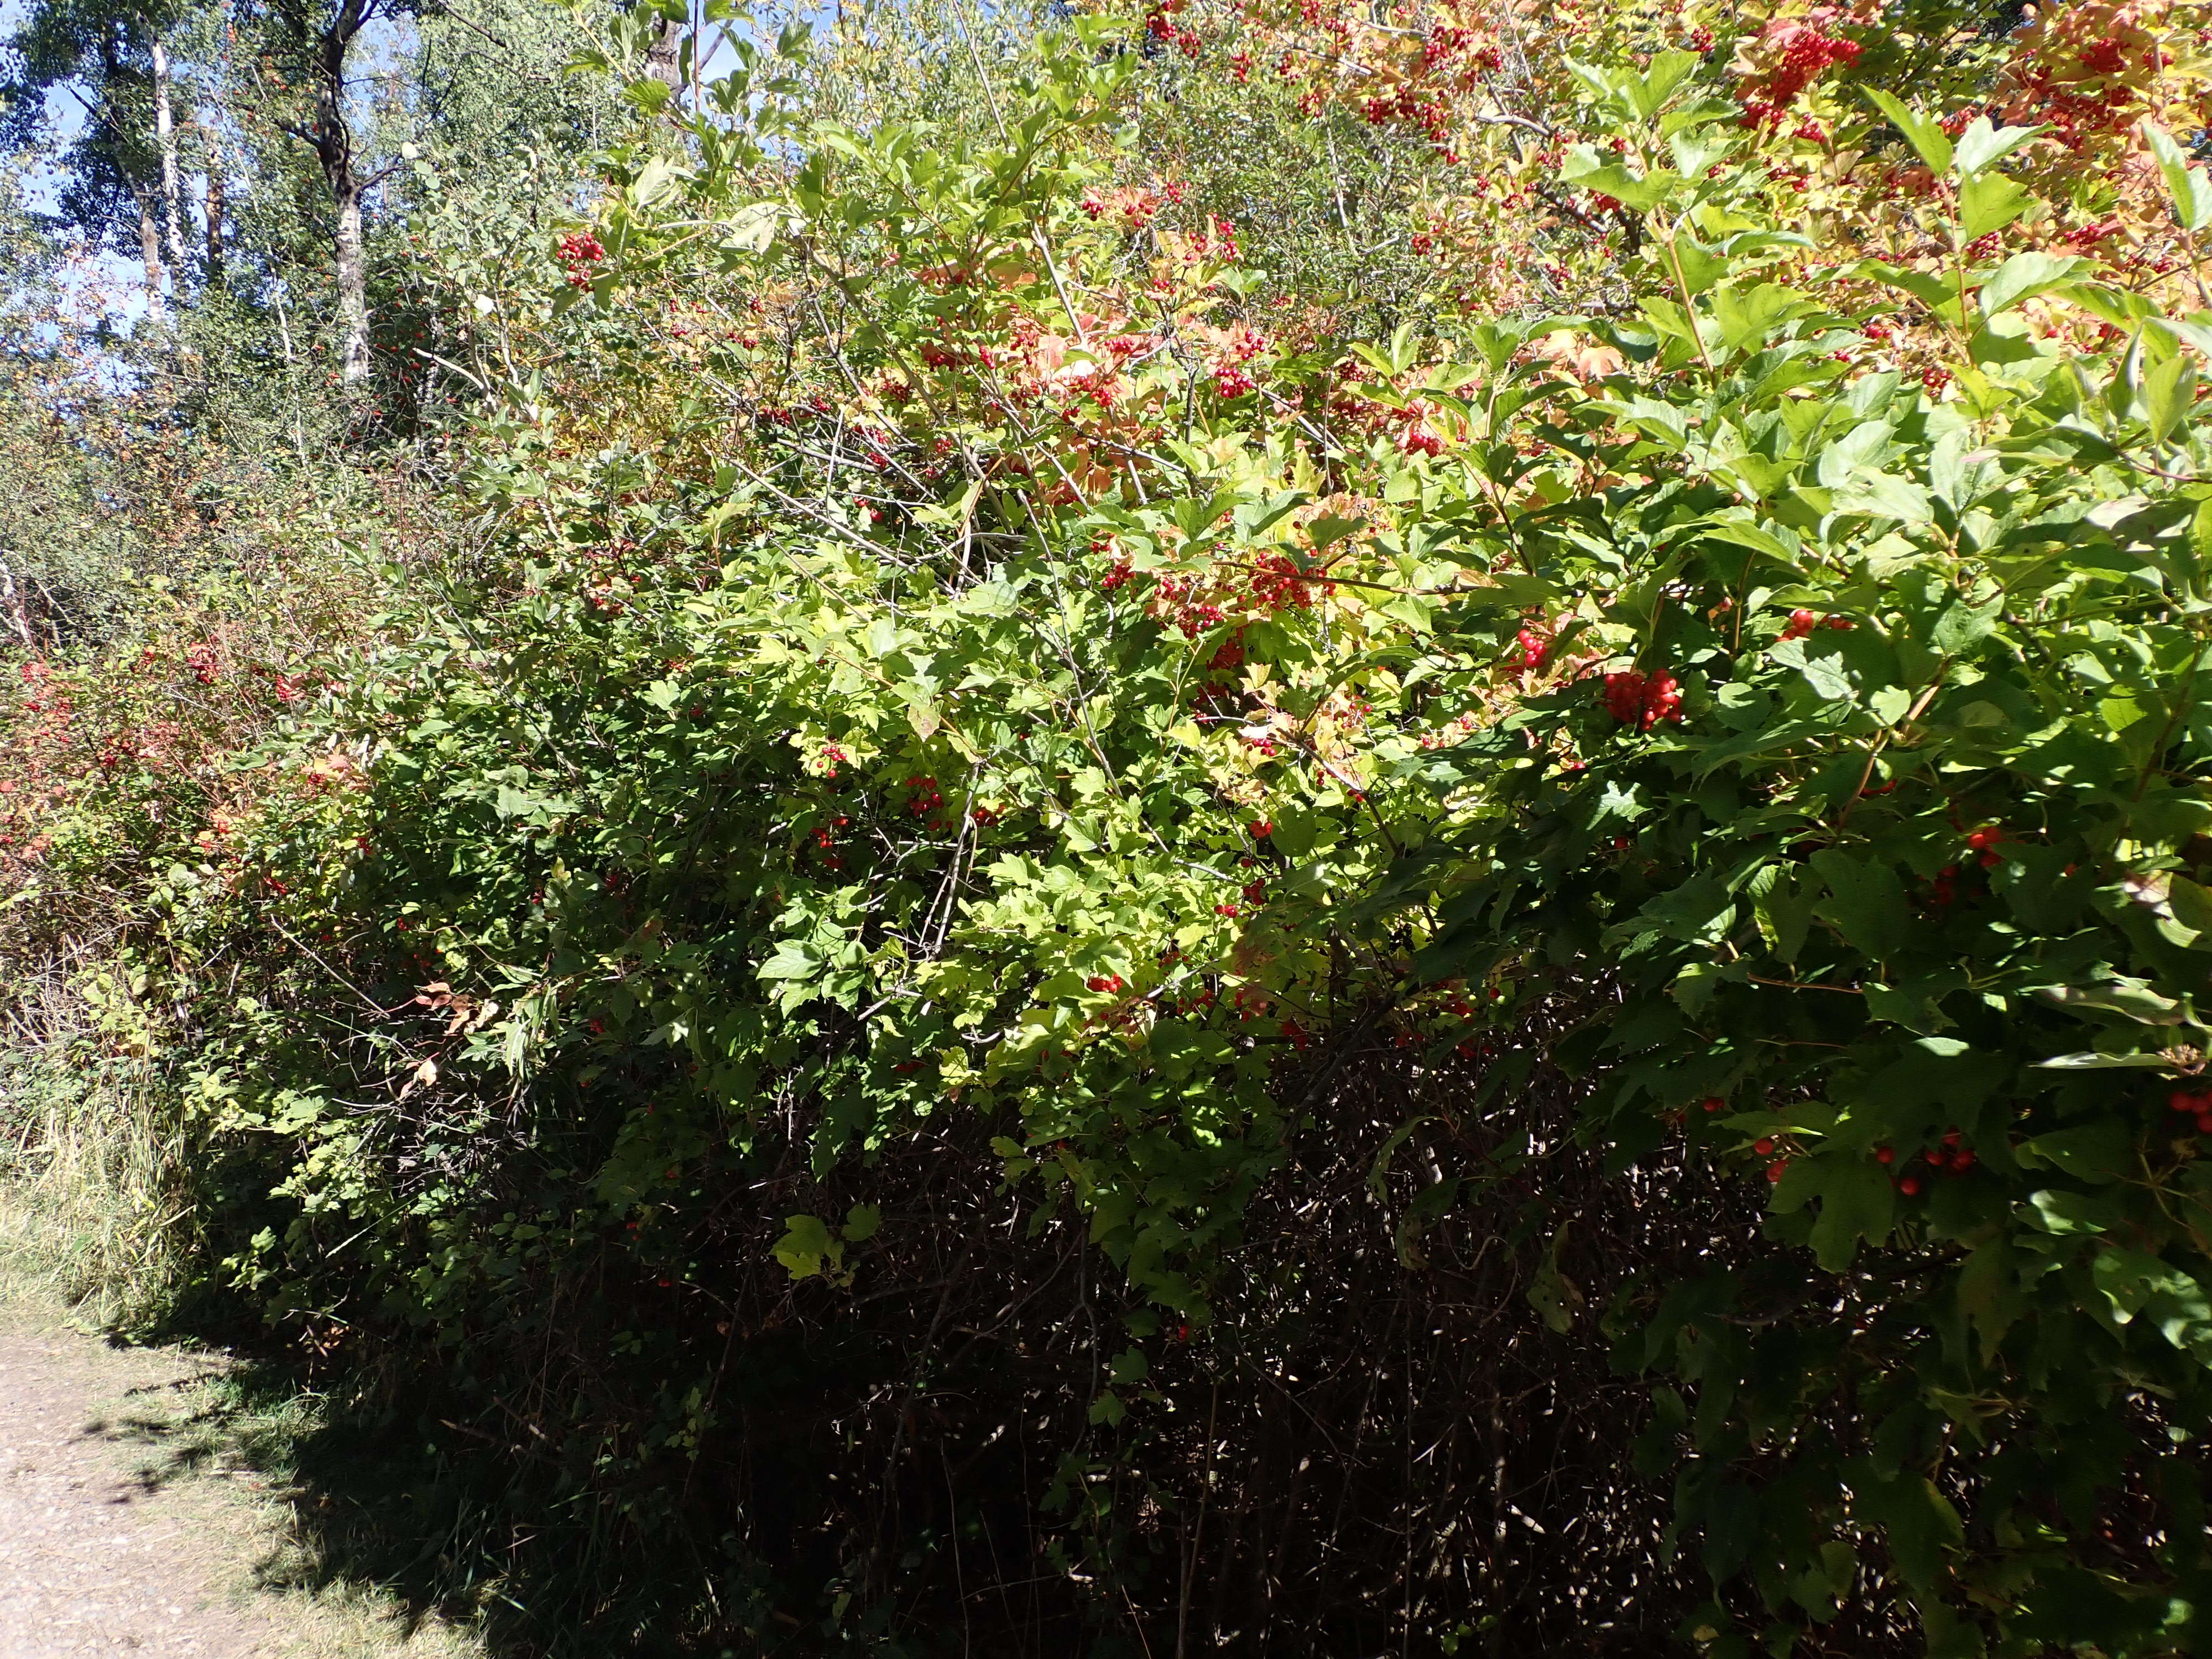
<point x="333" y="143"/>
<point x="214" y="210"/>
<point x="150" y="248"/>
<point x="353" y="282"/>
<point x="661" y="57"/>
<point x="164" y="138"/>
<point x="12" y="606"/>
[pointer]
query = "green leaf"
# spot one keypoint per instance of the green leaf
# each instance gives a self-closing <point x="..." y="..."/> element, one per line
<point x="1554" y="1296"/>
<point x="1782" y="905"/>
<point x="2191" y="905"/>
<point x="1698" y="912"/>
<point x="862" y="1222"/>
<point x="2095" y="1153"/>
<point x="2189" y="186"/>
<point x="1990" y="1295"/>
<point x="1917" y="1521"/>
<point x="793" y="959"/>
<point x="2023" y="277"/>
<point x="2169" y="392"/>
<point x="1926" y="137"/>
<point x="1856" y="1202"/>
<point x="1961" y="625"/>
<point x="1982" y="143"/>
<point x="2131" y="997"/>
<point x="1883" y="496"/>
<point x="1328" y="529"/>
<point x="1938" y="294"/>
<point x="2096" y="1062"/>
<point x="1867" y="903"/>
<point x="1650" y="91"/>
<point x="1988" y="202"/>
<point x="807" y="1247"/>
<point x="1615" y="180"/>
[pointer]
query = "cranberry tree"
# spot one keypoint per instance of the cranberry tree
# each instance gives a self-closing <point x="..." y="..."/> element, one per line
<point x="956" y="651"/>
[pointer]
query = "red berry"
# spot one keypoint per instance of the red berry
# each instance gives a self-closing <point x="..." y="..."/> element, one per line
<point x="1714" y="1103"/>
<point x="1884" y="1154"/>
<point x="2204" y="1123"/>
<point x="1961" y="1160"/>
<point x="1763" y="1145"/>
<point x="1261" y="828"/>
<point x="1774" y="1170"/>
<point x="1910" y="1186"/>
<point x="2182" y="1101"/>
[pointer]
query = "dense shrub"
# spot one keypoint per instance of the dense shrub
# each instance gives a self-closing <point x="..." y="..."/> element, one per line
<point x="1049" y="942"/>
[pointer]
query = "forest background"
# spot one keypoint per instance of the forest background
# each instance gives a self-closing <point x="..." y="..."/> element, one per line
<point x="1319" y="828"/>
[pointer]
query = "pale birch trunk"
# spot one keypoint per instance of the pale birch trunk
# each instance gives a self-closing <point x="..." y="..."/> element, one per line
<point x="353" y="282"/>
<point x="150" y="248"/>
<point x="164" y="138"/>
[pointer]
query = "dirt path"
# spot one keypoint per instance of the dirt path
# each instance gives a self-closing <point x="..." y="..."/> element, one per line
<point x="111" y="1543"/>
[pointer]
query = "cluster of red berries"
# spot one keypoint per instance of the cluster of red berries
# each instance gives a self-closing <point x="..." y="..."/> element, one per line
<point x="579" y="250"/>
<point x="1106" y="984"/>
<point x="1230" y="380"/>
<point x="1943" y="889"/>
<point x="1419" y="438"/>
<point x="1191" y="614"/>
<point x="1809" y="52"/>
<point x="1934" y="378"/>
<point x="2076" y="117"/>
<point x="1163" y="29"/>
<point x="1120" y="574"/>
<point x="1985" y="840"/>
<point x="926" y="800"/>
<point x="1701" y="39"/>
<point x="1949" y="1156"/>
<point x="2087" y="236"/>
<point x="1959" y="119"/>
<point x="1643" y="701"/>
<point x="2193" y="1103"/>
<point x="1445" y="42"/>
<point x="1412" y="106"/>
<point x="201" y="659"/>
<point x="1278" y="585"/>
<point x="1530" y="650"/>
<point x="1802" y="623"/>
<point x="1218" y="238"/>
